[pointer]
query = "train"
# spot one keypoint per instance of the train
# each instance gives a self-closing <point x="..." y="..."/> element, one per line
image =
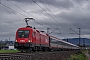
<point x="30" y="39"/>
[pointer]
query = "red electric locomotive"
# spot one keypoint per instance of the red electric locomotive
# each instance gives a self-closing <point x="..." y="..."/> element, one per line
<point x="30" y="39"/>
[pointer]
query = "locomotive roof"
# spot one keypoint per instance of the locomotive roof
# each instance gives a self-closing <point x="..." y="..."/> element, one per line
<point x="25" y="28"/>
<point x="33" y="30"/>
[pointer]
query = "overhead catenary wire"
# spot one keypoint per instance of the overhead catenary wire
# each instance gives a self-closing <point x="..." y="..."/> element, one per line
<point x="19" y="12"/>
<point x="33" y="16"/>
<point x="27" y="13"/>
<point x="53" y="31"/>
<point x="51" y="13"/>
<point x="56" y="16"/>
<point x="48" y="14"/>
<point x="47" y="7"/>
<point x="74" y="31"/>
<point x="23" y="11"/>
<point x="13" y="9"/>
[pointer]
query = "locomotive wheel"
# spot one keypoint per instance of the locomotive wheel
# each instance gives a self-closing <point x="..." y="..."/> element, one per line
<point x="43" y="49"/>
<point x="33" y="49"/>
<point x="29" y="50"/>
<point x="36" y="48"/>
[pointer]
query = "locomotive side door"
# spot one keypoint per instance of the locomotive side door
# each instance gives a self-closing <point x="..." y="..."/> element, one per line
<point x="34" y="38"/>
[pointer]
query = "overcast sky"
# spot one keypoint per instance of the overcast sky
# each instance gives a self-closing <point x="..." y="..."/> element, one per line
<point x="53" y="14"/>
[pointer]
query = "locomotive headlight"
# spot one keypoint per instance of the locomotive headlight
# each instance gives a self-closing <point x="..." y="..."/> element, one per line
<point x="16" y="41"/>
<point x="29" y="41"/>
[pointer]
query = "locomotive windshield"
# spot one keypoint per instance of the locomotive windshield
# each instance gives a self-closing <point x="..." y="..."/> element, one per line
<point x="23" y="33"/>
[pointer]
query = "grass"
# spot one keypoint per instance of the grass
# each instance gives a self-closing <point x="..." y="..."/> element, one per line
<point x="8" y="51"/>
<point x="79" y="56"/>
<point x="84" y="51"/>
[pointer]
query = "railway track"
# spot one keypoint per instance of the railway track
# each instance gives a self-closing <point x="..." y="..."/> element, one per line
<point x="37" y="55"/>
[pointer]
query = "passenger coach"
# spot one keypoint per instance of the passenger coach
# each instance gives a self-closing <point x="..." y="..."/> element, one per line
<point x="59" y="44"/>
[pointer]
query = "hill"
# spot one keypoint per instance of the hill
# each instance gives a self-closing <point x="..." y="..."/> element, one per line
<point x="83" y="41"/>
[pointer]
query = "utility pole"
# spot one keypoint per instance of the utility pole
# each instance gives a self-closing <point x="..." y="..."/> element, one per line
<point x="79" y="35"/>
<point x="9" y="38"/>
<point x="84" y="42"/>
<point x="67" y="39"/>
<point x="48" y="30"/>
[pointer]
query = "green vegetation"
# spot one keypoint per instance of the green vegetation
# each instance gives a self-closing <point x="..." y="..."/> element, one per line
<point x="8" y="51"/>
<point x="79" y="56"/>
<point x="84" y="51"/>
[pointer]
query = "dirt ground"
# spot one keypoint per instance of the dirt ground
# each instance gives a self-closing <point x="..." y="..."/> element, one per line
<point x="86" y="53"/>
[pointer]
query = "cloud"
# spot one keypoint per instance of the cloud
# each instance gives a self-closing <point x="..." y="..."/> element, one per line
<point x="62" y="14"/>
<point x="55" y="3"/>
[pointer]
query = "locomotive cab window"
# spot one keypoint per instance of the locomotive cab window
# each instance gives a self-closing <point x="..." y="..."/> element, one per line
<point x="23" y="33"/>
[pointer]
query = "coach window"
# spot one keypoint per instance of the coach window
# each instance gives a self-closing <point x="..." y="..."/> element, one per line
<point x="58" y="42"/>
